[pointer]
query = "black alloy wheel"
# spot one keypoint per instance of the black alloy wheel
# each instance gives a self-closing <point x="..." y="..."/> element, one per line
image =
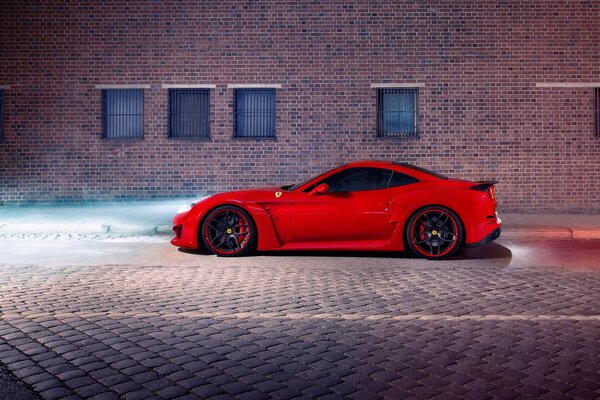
<point x="229" y="231"/>
<point x="434" y="232"/>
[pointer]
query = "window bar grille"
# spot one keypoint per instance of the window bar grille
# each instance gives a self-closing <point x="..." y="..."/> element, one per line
<point x="189" y="113"/>
<point x="1" y="115"/>
<point x="397" y="112"/>
<point x="122" y="113"/>
<point x="597" y="96"/>
<point x="254" y="113"/>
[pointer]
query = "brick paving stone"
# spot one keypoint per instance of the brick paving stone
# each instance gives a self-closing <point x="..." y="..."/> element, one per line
<point x="253" y="395"/>
<point x="49" y="383"/>
<point x="141" y="394"/>
<point x="206" y="391"/>
<point x="91" y="390"/>
<point x="103" y="396"/>
<point x="55" y="393"/>
<point x="171" y="392"/>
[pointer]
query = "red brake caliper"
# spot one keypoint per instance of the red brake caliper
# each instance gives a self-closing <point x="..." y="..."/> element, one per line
<point x="422" y="231"/>
<point x="243" y="228"/>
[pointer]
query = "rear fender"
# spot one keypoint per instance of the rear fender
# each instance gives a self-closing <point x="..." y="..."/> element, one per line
<point x="405" y="208"/>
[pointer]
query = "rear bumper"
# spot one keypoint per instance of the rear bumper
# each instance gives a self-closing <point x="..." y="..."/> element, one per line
<point x="495" y="234"/>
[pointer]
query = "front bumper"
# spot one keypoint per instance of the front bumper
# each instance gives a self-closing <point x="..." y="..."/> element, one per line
<point x="185" y="231"/>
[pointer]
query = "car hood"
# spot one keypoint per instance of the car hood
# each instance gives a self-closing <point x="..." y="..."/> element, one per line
<point x="259" y="194"/>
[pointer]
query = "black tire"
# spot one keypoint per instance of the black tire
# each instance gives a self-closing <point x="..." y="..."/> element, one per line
<point x="229" y="231"/>
<point x="434" y="232"/>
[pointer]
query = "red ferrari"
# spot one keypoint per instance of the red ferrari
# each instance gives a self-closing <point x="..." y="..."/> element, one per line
<point x="368" y="205"/>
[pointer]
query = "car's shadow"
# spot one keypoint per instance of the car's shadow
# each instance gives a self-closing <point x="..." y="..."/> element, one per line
<point x="487" y="252"/>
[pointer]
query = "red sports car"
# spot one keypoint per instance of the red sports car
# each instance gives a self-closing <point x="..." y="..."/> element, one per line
<point x="368" y="205"/>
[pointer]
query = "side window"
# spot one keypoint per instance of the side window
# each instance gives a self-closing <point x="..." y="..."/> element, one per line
<point x="357" y="179"/>
<point x="400" y="179"/>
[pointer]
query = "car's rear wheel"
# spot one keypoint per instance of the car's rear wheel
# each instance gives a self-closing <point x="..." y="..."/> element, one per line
<point x="434" y="232"/>
<point x="229" y="231"/>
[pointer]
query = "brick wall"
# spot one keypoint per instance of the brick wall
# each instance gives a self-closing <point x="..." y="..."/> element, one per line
<point x="481" y="114"/>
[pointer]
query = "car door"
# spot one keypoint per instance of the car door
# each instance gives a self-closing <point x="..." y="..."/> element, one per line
<point x="356" y="207"/>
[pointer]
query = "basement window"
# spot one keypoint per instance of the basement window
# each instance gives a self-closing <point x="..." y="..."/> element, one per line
<point x="122" y="113"/>
<point x="189" y="113"/>
<point x="1" y="115"/>
<point x="397" y="112"/>
<point x="255" y="113"/>
<point x="597" y="96"/>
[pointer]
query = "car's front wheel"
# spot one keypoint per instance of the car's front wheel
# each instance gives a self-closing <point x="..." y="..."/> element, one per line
<point x="229" y="231"/>
<point x="434" y="232"/>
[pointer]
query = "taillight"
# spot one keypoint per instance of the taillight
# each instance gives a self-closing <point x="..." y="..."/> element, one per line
<point x="491" y="192"/>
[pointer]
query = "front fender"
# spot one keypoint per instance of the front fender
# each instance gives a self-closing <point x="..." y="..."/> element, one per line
<point x="267" y="234"/>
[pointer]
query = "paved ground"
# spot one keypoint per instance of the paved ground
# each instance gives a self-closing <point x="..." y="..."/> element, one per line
<point x="132" y="318"/>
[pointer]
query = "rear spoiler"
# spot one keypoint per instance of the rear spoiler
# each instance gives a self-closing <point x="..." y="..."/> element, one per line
<point x="483" y="186"/>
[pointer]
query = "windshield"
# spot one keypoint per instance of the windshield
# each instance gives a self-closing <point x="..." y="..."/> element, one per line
<point x="297" y="185"/>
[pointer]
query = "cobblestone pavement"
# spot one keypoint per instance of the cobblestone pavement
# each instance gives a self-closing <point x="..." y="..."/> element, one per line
<point x="510" y="320"/>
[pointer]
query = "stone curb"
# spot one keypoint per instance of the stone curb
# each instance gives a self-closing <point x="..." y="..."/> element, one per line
<point x="537" y="233"/>
<point x="116" y="229"/>
<point x="550" y="233"/>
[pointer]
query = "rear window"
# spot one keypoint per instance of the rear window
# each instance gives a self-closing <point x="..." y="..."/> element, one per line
<point x="400" y="179"/>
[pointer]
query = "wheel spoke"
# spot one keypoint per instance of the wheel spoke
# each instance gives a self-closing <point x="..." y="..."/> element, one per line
<point x="448" y="233"/>
<point x="213" y="223"/>
<point x="222" y="237"/>
<point x="447" y="217"/>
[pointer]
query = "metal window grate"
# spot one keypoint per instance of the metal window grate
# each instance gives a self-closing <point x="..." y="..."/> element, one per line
<point x="397" y="112"/>
<point x="255" y="113"/>
<point x="597" y="96"/>
<point x="122" y="113"/>
<point x="189" y="113"/>
<point x="1" y="115"/>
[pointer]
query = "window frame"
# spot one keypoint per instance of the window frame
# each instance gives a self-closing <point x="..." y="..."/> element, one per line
<point x="106" y="116"/>
<point x="381" y="92"/>
<point x="199" y="91"/>
<point x="236" y="111"/>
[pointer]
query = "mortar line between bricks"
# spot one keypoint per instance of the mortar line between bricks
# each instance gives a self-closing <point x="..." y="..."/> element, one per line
<point x="347" y="317"/>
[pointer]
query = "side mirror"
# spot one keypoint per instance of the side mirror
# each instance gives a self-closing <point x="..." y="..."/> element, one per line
<point x="320" y="189"/>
